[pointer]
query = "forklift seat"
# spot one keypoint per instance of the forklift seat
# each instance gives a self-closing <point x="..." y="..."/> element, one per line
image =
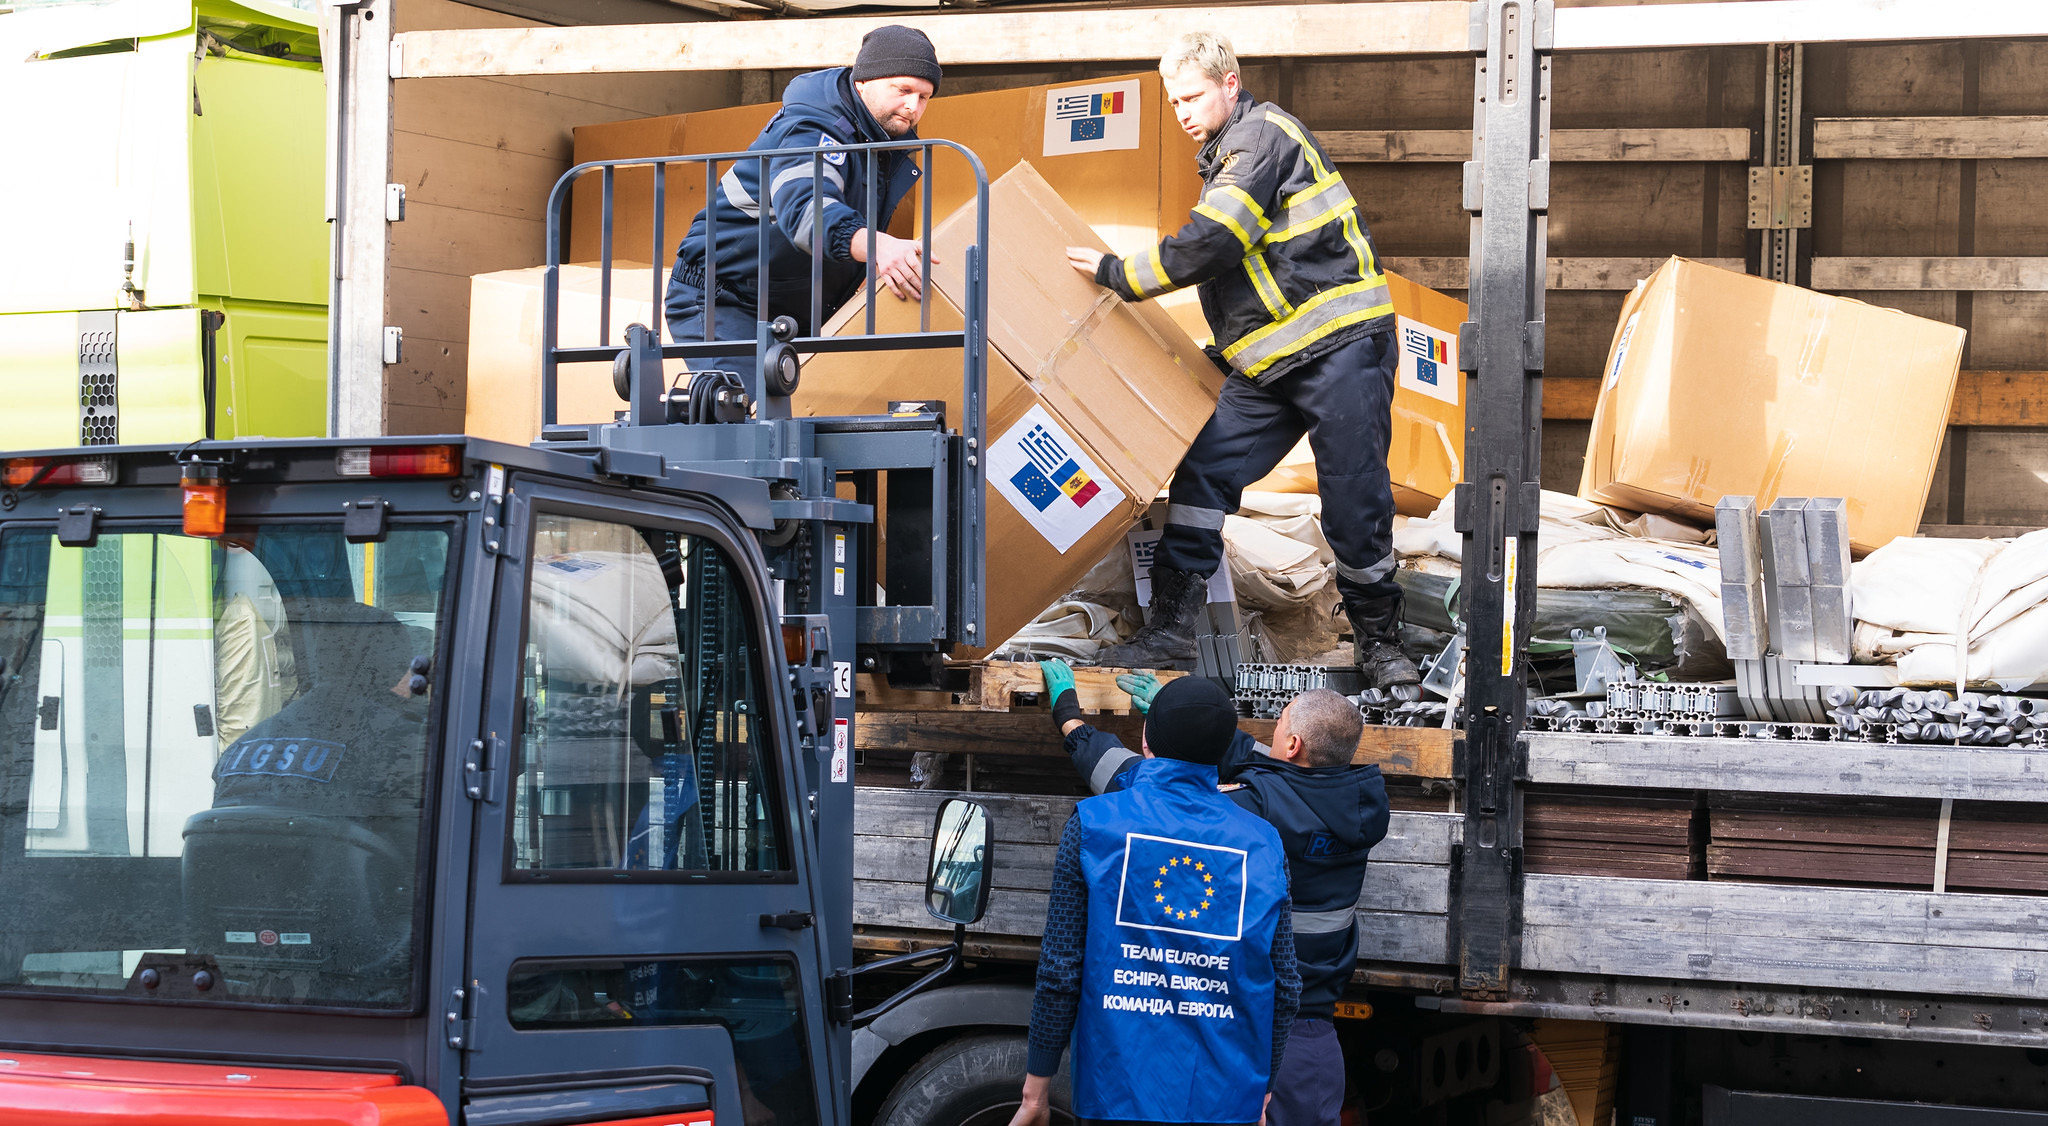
<point x="282" y="891"/>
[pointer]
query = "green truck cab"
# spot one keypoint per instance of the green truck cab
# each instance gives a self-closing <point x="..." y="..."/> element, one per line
<point x="168" y="253"/>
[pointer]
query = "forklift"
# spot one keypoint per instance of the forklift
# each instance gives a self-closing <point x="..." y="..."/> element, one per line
<point x="430" y="779"/>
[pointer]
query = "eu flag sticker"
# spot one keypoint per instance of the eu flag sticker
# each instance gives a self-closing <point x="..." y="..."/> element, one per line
<point x="1182" y="887"/>
<point x="1035" y="485"/>
<point x="1087" y="129"/>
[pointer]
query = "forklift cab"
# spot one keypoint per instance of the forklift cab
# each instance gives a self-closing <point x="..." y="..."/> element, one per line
<point x="458" y="774"/>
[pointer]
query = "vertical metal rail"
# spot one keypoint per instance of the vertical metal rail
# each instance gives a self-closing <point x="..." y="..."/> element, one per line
<point x="1782" y="175"/>
<point x="1507" y="190"/>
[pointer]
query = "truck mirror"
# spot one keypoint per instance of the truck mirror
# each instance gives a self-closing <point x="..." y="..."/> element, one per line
<point x="956" y="886"/>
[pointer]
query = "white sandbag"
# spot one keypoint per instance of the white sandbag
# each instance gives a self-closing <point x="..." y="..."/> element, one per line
<point x="604" y="618"/>
<point x="1073" y="629"/>
<point x="1917" y="585"/>
<point x="1688" y="572"/>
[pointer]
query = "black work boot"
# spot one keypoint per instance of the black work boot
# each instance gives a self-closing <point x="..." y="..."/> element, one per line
<point x="1168" y="639"/>
<point x="1375" y="645"/>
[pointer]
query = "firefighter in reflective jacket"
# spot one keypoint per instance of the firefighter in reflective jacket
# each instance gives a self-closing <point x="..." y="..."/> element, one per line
<point x="1168" y="954"/>
<point x="1303" y="326"/>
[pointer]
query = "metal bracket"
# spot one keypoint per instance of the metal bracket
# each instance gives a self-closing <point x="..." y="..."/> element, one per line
<point x="78" y="526"/>
<point x="461" y="1025"/>
<point x="366" y="521"/>
<point x="1781" y="198"/>
<point x="394" y="344"/>
<point x="394" y="203"/>
<point x="478" y="768"/>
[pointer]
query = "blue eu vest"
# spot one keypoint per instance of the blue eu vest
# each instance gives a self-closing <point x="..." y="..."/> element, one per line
<point x="1184" y="897"/>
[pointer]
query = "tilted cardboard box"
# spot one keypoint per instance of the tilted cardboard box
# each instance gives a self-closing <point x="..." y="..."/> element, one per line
<point x="1091" y="400"/>
<point x="1722" y="384"/>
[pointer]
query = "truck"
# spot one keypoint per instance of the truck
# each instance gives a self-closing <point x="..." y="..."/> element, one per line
<point x="1719" y="1001"/>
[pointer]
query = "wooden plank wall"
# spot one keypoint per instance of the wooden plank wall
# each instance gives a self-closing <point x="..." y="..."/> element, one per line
<point x="478" y="157"/>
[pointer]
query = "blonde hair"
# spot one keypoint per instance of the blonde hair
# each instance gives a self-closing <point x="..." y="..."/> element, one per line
<point x="1206" y="51"/>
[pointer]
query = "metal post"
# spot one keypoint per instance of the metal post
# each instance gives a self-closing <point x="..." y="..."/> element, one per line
<point x="362" y="146"/>
<point x="1781" y="191"/>
<point x="1507" y="190"/>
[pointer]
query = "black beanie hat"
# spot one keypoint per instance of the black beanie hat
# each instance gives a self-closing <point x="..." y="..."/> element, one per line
<point x="1192" y="719"/>
<point x="893" y="50"/>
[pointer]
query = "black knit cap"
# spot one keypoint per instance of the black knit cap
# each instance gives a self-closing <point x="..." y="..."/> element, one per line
<point x="894" y="50"/>
<point x="1192" y="719"/>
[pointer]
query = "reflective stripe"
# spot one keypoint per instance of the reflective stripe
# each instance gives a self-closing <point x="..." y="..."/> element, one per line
<point x="1368" y="266"/>
<point x="1188" y="516"/>
<point x="1266" y="286"/>
<point x="803" y="172"/>
<point x="1319" y="316"/>
<point x="801" y="237"/>
<point x="1147" y="274"/>
<point x="1324" y="922"/>
<point x="1308" y="150"/>
<point x="737" y="193"/>
<point x="1236" y="209"/>
<point x="1372" y="574"/>
<point x="1311" y="208"/>
<point x="1108" y="767"/>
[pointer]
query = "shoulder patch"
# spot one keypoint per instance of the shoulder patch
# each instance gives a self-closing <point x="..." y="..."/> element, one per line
<point x="827" y="140"/>
<point x="1228" y="787"/>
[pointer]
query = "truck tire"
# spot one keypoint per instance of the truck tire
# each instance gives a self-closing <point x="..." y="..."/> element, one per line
<point x="969" y="1081"/>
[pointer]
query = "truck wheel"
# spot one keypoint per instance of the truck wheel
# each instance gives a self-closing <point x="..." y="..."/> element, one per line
<point x="969" y="1081"/>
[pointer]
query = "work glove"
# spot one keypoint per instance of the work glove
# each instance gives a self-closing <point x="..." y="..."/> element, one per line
<point x="1059" y="691"/>
<point x="1142" y="686"/>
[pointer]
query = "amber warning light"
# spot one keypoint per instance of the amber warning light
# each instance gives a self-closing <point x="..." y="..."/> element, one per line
<point x="206" y="500"/>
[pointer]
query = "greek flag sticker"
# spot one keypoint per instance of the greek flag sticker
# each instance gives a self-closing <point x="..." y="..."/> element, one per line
<point x="1050" y="480"/>
<point x="1427" y="362"/>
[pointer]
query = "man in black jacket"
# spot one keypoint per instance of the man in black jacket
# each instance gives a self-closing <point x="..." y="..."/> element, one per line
<point x="1304" y="329"/>
<point x="826" y="215"/>
<point x="1328" y="812"/>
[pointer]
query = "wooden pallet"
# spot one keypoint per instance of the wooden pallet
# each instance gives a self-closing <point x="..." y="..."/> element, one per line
<point x="989" y="719"/>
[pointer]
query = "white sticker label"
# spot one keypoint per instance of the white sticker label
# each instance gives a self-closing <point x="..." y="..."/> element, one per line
<point x="295" y="938"/>
<point x="1143" y="543"/>
<point x="1050" y="480"/>
<point x="842" y="679"/>
<point x="842" y="738"/>
<point x="1620" y="353"/>
<point x="838" y="580"/>
<point x="495" y="481"/>
<point x="1510" y="565"/>
<point x="241" y="936"/>
<point x="1100" y="117"/>
<point x="838" y="549"/>
<point x="1428" y="363"/>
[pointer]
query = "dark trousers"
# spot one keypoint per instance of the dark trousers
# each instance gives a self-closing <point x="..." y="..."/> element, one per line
<point x="1309" y="1091"/>
<point x="1340" y="400"/>
<point x="737" y="315"/>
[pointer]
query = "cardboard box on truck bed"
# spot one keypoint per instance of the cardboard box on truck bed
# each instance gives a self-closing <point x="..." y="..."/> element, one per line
<point x="1091" y="400"/>
<point x="1722" y="384"/>
<point x="503" y="400"/>
<point x="1425" y="451"/>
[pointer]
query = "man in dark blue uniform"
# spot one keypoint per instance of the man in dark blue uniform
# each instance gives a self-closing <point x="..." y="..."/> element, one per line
<point x="1328" y="812"/>
<point x="881" y="97"/>
<point x="1168" y="955"/>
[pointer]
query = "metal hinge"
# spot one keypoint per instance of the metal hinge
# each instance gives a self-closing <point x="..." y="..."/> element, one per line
<point x="1781" y="198"/>
<point x="461" y="1020"/>
<point x="479" y="769"/>
<point x="839" y="997"/>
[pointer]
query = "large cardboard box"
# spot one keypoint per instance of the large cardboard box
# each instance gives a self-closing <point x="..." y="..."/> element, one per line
<point x="1425" y="451"/>
<point x="503" y="400"/>
<point x="1722" y="384"/>
<point x="1091" y="400"/>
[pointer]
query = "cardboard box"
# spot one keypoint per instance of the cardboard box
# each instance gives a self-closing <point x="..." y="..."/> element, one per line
<point x="1722" y="384"/>
<point x="1091" y="401"/>
<point x="1425" y="453"/>
<point x="503" y="401"/>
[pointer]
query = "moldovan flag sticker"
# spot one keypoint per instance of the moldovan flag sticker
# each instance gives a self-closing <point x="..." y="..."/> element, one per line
<point x="1182" y="887"/>
<point x="1428" y="361"/>
<point x="1095" y="118"/>
<point x="1050" y="480"/>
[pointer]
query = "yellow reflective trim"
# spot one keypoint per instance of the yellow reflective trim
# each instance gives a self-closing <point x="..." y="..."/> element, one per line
<point x="1267" y="287"/>
<point x="1305" y="315"/>
<point x="1245" y="198"/>
<point x="1131" y="275"/>
<point x="1332" y="179"/>
<point x="1367" y="266"/>
<point x="1315" y="160"/>
<point x="1313" y="224"/>
<point x="1154" y="280"/>
<point x="1243" y="237"/>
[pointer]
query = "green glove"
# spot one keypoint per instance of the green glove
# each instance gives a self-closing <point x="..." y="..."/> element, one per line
<point x="1059" y="677"/>
<point x="1142" y="686"/>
